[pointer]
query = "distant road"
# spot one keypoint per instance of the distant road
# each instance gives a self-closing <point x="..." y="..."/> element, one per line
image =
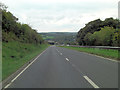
<point x="63" y="68"/>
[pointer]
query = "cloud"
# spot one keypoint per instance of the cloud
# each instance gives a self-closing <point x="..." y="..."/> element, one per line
<point x="61" y="15"/>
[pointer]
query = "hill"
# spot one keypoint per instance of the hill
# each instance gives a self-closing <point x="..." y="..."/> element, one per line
<point x="20" y="43"/>
<point x="100" y="33"/>
<point x="60" y="37"/>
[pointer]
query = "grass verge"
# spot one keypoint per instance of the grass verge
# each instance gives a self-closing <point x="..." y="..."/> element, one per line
<point x="109" y="53"/>
<point x="16" y="54"/>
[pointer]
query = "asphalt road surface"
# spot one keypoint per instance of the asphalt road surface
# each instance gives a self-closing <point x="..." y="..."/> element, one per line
<point x="64" y="68"/>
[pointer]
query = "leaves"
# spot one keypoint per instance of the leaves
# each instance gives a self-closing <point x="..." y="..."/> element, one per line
<point x="13" y="30"/>
<point x="99" y="32"/>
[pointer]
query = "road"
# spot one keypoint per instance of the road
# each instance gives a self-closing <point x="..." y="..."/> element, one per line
<point x="64" y="68"/>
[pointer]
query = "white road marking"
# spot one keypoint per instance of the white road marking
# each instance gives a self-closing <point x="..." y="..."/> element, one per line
<point x="67" y="59"/>
<point x="57" y="50"/>
<point x="7" y="85"/>
<point x="91" y="82"/>
<point x="73" y="65"/>
<point x="60" y="53"/>
<point x="23" y="70"/>
<point x="101" y="57"/>
<point x="107" y="58"/>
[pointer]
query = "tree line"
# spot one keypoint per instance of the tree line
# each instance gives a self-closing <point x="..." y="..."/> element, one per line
<point x="12" y="30"/>
<point x="100" y="33"/>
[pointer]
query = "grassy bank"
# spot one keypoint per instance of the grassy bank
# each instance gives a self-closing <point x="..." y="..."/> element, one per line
<point x="15" y="54"/>
<point x="102" y="52"/>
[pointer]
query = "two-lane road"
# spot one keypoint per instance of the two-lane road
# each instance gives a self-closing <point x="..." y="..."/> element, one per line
<point x="63" y="68"/>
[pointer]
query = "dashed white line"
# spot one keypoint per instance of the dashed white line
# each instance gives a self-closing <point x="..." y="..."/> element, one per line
<point x="60" y="53"/>
<point x="87" y="78"/>
<point x="91" y="82"/>
<point x="67" y="59"/>
<point x="73" y="65"/>
<point x="57" y="50"/>
<point x="23" y="70"/>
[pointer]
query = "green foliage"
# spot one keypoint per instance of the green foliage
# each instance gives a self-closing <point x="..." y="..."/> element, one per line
<point x="102" y="37"/>
<point x="13" y="30"/>
<point x="60" y="37"/>
<point x="99" y="32"/>
<point x="16" y="54"/>
<point x="111" y="23"/>
<point x="88" y="39"/>
<point x="102" y="52"/>
<point x="20" y="43"/>
<point x="115" y="39"/>
<point x="91" y="27"/>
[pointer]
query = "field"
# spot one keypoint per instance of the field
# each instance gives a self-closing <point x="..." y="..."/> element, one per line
<point x="102" y="52"/>
<point x="16" y="54"/>
<point x="60" y="37"/>
<point x="47" y="37"/>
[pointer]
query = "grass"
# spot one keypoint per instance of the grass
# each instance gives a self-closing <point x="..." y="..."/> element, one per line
<point x="102" y="52"/>
<point x="47" y="37"/>
<point x="15" y="55"/>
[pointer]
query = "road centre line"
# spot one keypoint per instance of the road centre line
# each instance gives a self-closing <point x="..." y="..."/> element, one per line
<point x="91" y="82"/>
<point x="60" y="53"/>
<point x="57" y="50"/>
<point x="86" y="77"/>
<point x="67" y="59"/>
<point x="23" y="70"/>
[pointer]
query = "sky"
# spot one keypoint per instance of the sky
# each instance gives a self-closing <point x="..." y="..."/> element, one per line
<point x="61" y="15"/>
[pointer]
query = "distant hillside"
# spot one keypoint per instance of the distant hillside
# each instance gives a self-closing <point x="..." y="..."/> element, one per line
<point x="60" y="37"/>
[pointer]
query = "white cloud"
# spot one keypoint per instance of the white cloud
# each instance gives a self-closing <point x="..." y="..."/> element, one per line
<point x="61" y="15"/>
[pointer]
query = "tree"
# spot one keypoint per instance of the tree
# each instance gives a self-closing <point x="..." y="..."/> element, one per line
<point x="95" y="26"/>
<point x="116" y="38"/>
<point x="103" y="37"/>
<point x="87" y="39"/>
<point x="12" y="30"/>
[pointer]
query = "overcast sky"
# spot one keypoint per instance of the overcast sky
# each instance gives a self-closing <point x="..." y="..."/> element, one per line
<point x="61" y="15"/>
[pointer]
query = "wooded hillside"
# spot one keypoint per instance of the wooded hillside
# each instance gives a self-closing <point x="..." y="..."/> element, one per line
<point x="98" y="32"/>
<point x="12" y="30"/>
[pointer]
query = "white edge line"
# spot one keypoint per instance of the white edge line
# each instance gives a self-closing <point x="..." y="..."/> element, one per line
<point x="113" y="60"/>
<point x="23" y="70"/>
<point x="91" y="82"/>
<point x="101" y="57"/>
<point x="107" y="58"/>
<point x="7" y="85"/>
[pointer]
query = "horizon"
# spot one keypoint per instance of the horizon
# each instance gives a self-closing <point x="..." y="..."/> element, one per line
<point x="63" y="15"/>
<point x="57" y="32"/>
